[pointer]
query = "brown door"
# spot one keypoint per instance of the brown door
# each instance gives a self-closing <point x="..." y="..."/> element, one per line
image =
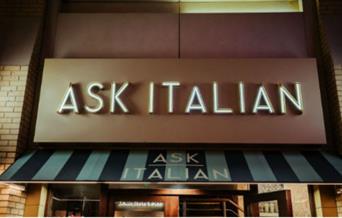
<point x="143" y="206"/>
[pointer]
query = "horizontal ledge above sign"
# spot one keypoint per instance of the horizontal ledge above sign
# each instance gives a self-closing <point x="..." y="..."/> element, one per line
<point x="254" y="101"/>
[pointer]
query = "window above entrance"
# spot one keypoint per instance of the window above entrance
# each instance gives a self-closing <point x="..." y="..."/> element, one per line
<point x="184" y="6"/>
<point x="240" y="6"/>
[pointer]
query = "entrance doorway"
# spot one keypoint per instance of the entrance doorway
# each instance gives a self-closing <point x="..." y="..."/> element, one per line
<point x="172" y="202"/>
<point x="162" y="201"/>
<point x="193" y="202"/>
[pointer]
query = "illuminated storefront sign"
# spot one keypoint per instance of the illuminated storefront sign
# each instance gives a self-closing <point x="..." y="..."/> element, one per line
<point x="181" y="101"/>
<point x="195" y="102"/>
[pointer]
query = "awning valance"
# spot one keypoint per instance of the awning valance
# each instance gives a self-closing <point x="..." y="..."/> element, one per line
<point x="175" y="166"/>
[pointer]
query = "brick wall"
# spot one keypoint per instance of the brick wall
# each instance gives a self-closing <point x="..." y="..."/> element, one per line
<point x="338" y="76"/>
<point x="331" y="7"/>
<point x="328" y="75"/>
<point x="12" y="200"/>
<point x="17" y="87"/>
<point x="12" y="89"/>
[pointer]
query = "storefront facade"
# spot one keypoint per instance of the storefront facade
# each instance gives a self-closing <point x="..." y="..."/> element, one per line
<point x="171" y="108"/>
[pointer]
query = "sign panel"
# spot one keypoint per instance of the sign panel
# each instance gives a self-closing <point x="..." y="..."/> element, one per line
<point x="254" y="101"/>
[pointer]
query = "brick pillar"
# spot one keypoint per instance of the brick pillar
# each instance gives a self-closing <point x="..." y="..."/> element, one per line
<point x="12" y="88"/>
<point x="17" y="86"/>
<point x="338" y="76"/>
<point x="329" y="9"/>
<point x="12" y="200"/>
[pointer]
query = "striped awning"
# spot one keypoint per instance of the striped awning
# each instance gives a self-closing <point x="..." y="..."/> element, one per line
<point x="175" y="166"/>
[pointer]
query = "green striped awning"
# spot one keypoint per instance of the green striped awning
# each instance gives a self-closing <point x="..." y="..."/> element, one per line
<point x="175" y="166"/>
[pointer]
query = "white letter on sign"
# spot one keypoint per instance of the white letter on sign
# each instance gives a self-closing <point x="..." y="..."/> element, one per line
<point x="242" y="97"/>
<point x="116" y="97"/>
<point x="170" y="85"/>
<point x="94" y="96"/>
<point x="70" y="94"/>
<point x="262" y="94"/>
<point x="195" y="94"/>
<point x="217" y="109"/>
<point x="296" y="101"/>
<point x="151" y="100"/>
